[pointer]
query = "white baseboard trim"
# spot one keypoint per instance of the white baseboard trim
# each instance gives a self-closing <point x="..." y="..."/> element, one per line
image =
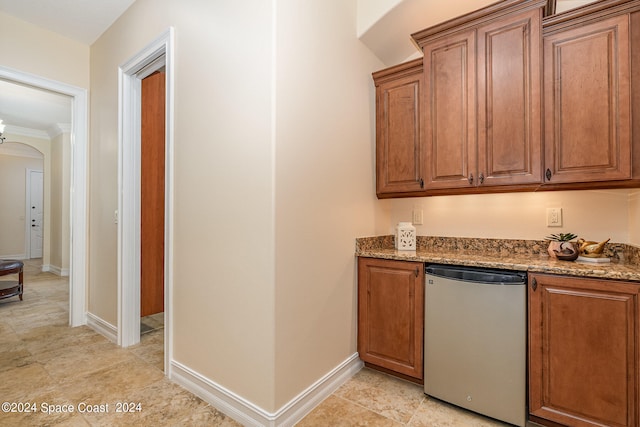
<point x="249" y="414"/>
<point x="18" y="256"/>
<point x="102" y="327"/>
<point x="55" y="270"/>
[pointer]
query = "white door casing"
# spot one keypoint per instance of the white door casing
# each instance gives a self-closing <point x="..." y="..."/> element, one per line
<point x="78" y="190"/>
<point x="36" y="194"/>
<point x="153" y="57"/>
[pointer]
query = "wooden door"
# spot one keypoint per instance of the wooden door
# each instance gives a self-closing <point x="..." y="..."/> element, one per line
<point x="152" y="206"/>
<point x="398" y="129"/>
<point x="509" y="99"/>
<point x="583" y="351"/>
<point x="587" y="102"/>
<point x="450" y="111"/>
<point x="391" y="315"/>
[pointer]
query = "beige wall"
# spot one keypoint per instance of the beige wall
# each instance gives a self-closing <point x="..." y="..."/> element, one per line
<point x="59" y="208"/>
<point x="325" y="194"/>
<point x="37" y="51"/>
<point x="634" y="217"/>
<point x="595" y="215"/>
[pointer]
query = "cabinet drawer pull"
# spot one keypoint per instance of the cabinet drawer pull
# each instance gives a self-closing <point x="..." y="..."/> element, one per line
<point x="421" y="183"/>
<point x="471" y="179"/>
<point x="534" y="284"/>
<point x="417" y="271"/>
<point x="481" y="178"/>
<point x="548" y="174"/>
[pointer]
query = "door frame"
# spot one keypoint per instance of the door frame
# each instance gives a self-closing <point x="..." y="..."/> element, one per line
<point x="78" y="191"/>
<point x="154" y="56"/>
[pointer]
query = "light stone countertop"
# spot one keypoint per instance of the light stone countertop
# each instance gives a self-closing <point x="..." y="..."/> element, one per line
<point x="516" y="259"/>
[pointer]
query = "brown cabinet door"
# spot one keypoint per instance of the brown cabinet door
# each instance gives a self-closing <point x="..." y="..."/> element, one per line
<point x="398" y="129"/>
<point x="450" y="111"/>
<point x="583" y="351"/>
<point x="391" y="315"/>
<point x="509" y="99"/>
<point x="587" y="102"/>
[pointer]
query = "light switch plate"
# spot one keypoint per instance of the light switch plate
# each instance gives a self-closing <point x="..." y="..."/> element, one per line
<point x="417" y="216"/>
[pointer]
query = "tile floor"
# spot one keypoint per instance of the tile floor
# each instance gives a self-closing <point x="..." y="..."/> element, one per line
<point x="46" y="363"/>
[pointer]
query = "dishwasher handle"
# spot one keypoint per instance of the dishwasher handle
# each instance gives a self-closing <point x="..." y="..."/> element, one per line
<point x="478" y="275"/>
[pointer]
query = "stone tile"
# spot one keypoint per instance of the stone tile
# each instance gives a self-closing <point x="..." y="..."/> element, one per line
<point x="115" y="383"/>
<point x="22" y="383"/>
<point x="42" y="339"/>
<point x="434" y="413"/>
<point x="161" y="404"/>
<point x="13" y="354"/>
<point x="83" y="360"/>
<point x="386" y="395"/>
<point x="207" y="416"/>
<point x="338" y="412"/>
<point x="151" y="348"/>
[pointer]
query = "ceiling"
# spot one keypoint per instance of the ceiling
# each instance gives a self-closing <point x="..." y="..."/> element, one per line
<point x="26" y="109"/>
<point x="80" y="20"/>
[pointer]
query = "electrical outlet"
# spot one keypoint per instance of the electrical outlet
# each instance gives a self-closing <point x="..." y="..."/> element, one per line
<point x="417" y="216"/>
<point x="554" y="217"/>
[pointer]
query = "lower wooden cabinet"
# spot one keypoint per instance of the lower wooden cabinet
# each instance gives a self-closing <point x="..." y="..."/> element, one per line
<point x="584" y="351"/>
<point x="391" y="315"/>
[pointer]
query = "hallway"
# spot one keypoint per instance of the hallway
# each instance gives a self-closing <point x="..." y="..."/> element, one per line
<point x="45" y="363"/>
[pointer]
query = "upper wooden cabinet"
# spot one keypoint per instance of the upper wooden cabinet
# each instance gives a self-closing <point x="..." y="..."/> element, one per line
<point x="398" y="128"/>
<point x="507" y="100"/>
<point x="587" y="82"/>
<point x="482" y="86"/>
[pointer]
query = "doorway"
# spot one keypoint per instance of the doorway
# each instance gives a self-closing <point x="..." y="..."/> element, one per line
<point x="152" y="200"/>
<point x="78" y="173"/>
<point x="157" y="56"/>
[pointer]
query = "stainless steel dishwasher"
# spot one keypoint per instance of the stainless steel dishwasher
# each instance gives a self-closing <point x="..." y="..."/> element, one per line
<point x="475" y="340"/>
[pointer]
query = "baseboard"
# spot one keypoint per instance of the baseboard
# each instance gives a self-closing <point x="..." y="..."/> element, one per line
<point x="102" y="327"/>
<point x="18" y="256"/>
<point x="249" y="414"/>
<point x="59" y="271"/>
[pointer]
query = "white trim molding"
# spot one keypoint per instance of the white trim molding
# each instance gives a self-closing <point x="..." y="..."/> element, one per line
<point x="158" y="54"/>
<point x="249" y="414"/>
<point x="102" y="327"/>
<point x="59" y="271"/>
<point x="78" y="191"/>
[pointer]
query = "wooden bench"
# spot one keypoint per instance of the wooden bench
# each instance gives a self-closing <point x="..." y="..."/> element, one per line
<point x="11" y="288"/>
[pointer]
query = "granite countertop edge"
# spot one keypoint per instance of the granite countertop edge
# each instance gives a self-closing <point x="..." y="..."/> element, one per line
<point x="534" y="262"/>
